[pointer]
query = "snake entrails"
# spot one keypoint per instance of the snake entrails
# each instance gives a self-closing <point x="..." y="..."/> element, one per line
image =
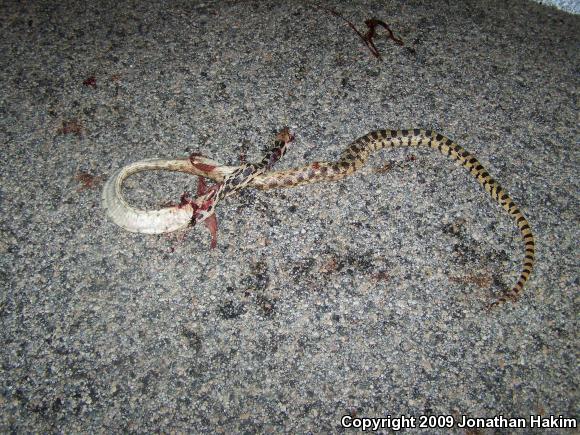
<point x="230" y="179"/>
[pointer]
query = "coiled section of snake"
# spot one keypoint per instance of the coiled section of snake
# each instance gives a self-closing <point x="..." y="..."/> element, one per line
<point x="231" y="179"/>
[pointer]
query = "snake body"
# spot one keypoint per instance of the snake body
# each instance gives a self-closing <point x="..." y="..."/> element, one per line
<point x="230" y="179"/>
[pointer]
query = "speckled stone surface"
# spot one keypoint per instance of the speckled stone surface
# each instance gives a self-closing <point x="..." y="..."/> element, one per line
<point x="572" y="6"/>
<point x="363" y="297"/>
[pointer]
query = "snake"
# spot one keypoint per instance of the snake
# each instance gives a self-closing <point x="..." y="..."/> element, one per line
<point x="231" y="179"/>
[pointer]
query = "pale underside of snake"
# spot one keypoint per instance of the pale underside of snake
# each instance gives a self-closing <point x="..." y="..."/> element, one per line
<point x="230" y="179"/>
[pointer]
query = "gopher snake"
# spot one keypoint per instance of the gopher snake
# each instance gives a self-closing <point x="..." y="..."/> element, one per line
<point x="230" y="179"/>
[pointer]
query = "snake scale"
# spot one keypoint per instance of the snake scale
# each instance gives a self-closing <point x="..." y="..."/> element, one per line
<point x="230" y="179"/>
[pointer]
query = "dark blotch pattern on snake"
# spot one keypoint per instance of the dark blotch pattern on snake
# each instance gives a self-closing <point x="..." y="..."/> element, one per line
<point x="231" y="179"/>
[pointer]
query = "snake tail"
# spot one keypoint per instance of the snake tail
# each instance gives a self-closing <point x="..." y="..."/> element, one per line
<point x="356" y="154"/>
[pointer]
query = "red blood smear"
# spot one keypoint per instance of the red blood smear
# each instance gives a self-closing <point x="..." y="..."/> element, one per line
<point x="201" y="186"/>
<point x="212" y="225"/>
<point x="203" y="167"/>
<point x="211" y="222"/>
<point x="91" y="81"/>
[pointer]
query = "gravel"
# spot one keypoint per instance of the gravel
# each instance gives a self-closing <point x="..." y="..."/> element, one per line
<point x="364" y="297"/>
